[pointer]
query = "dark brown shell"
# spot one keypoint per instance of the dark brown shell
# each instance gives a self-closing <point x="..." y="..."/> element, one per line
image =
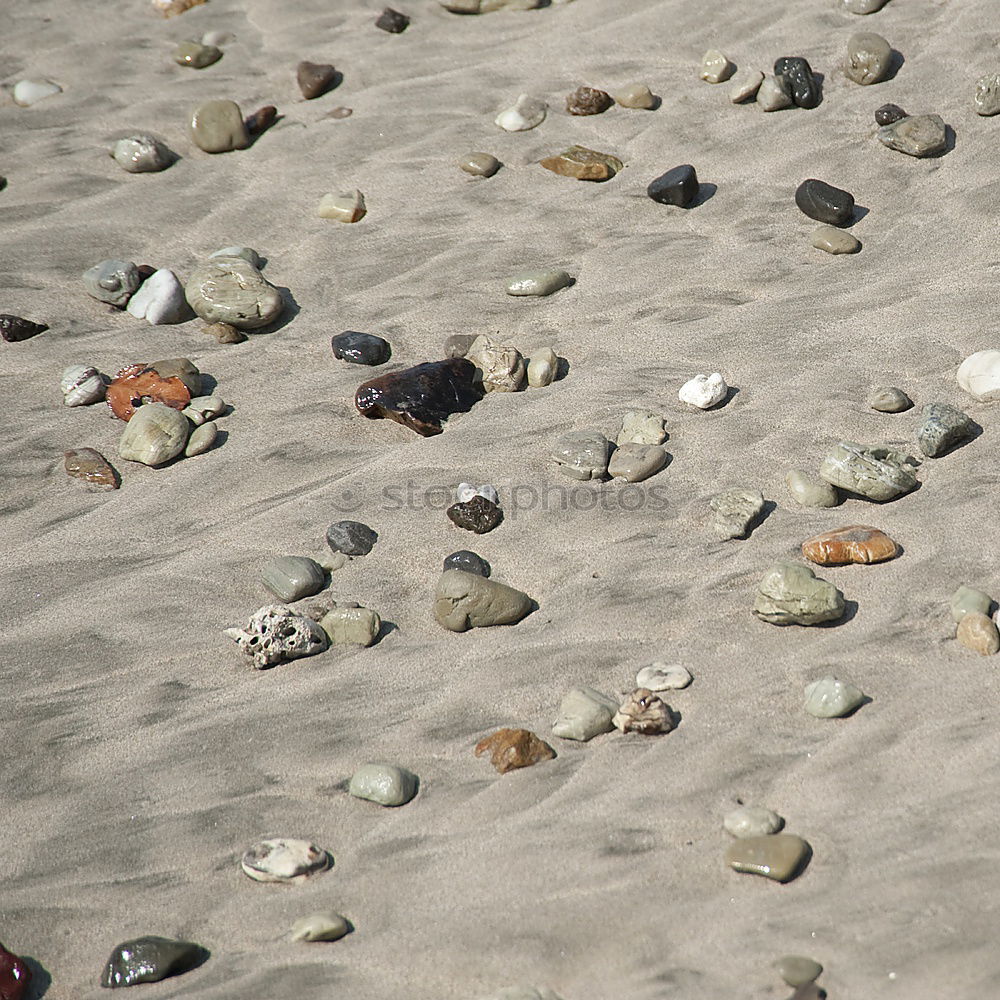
<point x="137" y="384"/>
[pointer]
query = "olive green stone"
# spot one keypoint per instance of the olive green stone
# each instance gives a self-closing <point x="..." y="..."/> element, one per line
<point x="583" y="714"/>
<point x="966" y="600"/>
<point x="351" y="626"/>
<point x="834" y="241"/>
<point x="155" y="434"/>
<point x="791" y="594"/>
<point x="217" y="127"/>
<point x="779" y="856"/>
<point x="202" y="438"/>
<point x="290" y="578"/>
<point x="196" y="55"/>
<point x="320" y="927"/>
<point x="796" y="970"/>
<point x="811" y="491"/>
<point x="877" y="473"/>
<point x="386" y="784"/>
<point x="829" y="698"/>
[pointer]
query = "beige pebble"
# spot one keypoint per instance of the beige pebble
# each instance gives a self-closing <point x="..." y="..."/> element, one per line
<point x="635" y="95"/>
<point x="201" y="439"/>
<point x="715" y="67"/>
<point x="346" y="207"/>
<point x="479" y="164"/>
<point x="978" y="633"/>
<point x="745" y="86"/>
<point x="834" y="240"/>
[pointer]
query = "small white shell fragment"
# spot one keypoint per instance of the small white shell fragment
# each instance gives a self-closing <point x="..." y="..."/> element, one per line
<point x="526" y="113"/>
<point x="829" y="698"/>
<point x="347" y="206"/>
<point x="752" y="821"/>
<point x="28" y="92"/>
<point x="704" y="391"/>
<point x="663" y="677"/>
<point x="979" y="375"/>
<point x="320" y="927"/>
<point x="284" y="859"/>
<point x="81" y="385"/>
<point x="715" y="67"/>
<point x="160" y="300"/>
<point x="542" y="368"/>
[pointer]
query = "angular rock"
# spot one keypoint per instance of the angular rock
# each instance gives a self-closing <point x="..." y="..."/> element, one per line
<point x="202" y="438"/>
<point x="28" y="92"/>
<point x="392" y="21"/>
<point x="889" y="399"/>
<point x="499" y="367"/>
<point x="978" y="375"/>
<point x="987" y="99"/>
<point x="745" y="86"/>
<point x="468" y="561"/>
<point x="825" y="203"/>
<point x="752" y="821"/>
<point x="139" y="385"/>
<point x="180" y="368"/>
<point x="91" y="468"/>
<point x="636" y="462"/>
<point x="82" y="385"/>
<point x="588" y="101"/>
<point x="774" y="93"/>
<point x="889" y="113"/>
<point x="360" y="348"/>
<point x="792" y="594"/>
<point x="231" y="290"/>
<point x="15" y="976"/>
<point x="780" y="856"/>
<point x="421" y="397"/>
<point x="284" y="859"/>
<point x="918" y="135"/>
<point x="641" y="427"/>
<point x="479" y="164"/>
<point x="801" y="82"/>
<point x="869" y="58"/>
<point x="526" y="113"/>
<point x="796" y="970"/>
<point x="290" y="578"/>
<point x="466" y="600"/>
<point x="204" y="408"/>
<point x="14" y="328"/>
<point x="583" y="164"/>
<point x="715" y="67"/>
<point x="663" y="677"/>
<point x="942" y="427"/>
<point x="857" y="543"/>
<point x="537" y="281"/>
<point x="478" y="515"/>
<point x="678" y="186"/>
<point x="112" y="281"/>
<point x="968" y="600"/>
<point x="583" y="714"/>
<point x="347" y="206"/>
<point x="809" y="490"/>
<point x="150" y="959"/>
<point x="315" y="79"/>
<point x="735" y="511"/>
<point x="643" y="712"/>
<point x="510" y="749"/>
<point x="217" y="127"/>
<point x="141" y="154"/>
<point x="351" y="626"/>
<point x="834" y="241"/>
<point x="320" y="927"/>
<point x="160" y="300"/>
<point x="582" y="454"/>
<point x="636" y="95"/>
<point x="196" y="55"/>
<point x="155" y="434"/>
<point x="542" y="368"/>
<point x="704" y="391"/>
<point x="386" y="784"/>
<point x="978" y="633"/>
<point x="276" y="634"/>
<point x="351" y="537"/>
<point x="829" y="698"/>
<point x="877" y="473"/>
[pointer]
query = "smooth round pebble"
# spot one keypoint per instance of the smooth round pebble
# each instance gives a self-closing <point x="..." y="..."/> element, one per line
<point x="868" y="59"/>
<point x="966" y="600"/>
<point x="284" y="859"/>
<point x="526" y="113"/>
<point x="808" y="490"/>
<point x="636" y="462"/>
<point x="468" y="561"/>
<point x="320" y="927"/>
<point x="635" y="95"/>
<point x="979" y="375"/>
<point x="202" y="438"/>
<point x="217" y="127"/>
<point x="479" y="164"/>
<point x="28" y="92"/>
<point x="141" y="153"/>
<point x="663" y="677"/>
<point x="752" y="821"/>
<point x="196" y="55"/>
<point x="889" y="113"/>
<point x="745" y="85"/>
<point x="360" y="348"/>
<point x="290" y="578"/>
<point x="704" y="391"/>
<point x="155" y="434"/>
<point x="797" y="970"/>
<point x="889" y="399"/>
<point x="834" y="241"/>
<point x="537" y="282"/>
<point x="386" y="784"/>
<point x="829" y="698"/>
<point x="978" y="632"/>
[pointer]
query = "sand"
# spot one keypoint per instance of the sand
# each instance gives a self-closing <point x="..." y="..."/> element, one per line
<point x="141" y="756"/>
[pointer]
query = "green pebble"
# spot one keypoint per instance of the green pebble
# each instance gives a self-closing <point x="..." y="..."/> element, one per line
<point x="537" y="282"/>
<point x="386" y="784"/>
<point x="966" y="600"/>
<point x="797" y="970"/>
<point x="290" y="578"/>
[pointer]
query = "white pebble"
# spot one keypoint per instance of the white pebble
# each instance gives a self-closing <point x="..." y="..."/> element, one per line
<point x="663" y="677"/>
<point x="141" y="154"/>
<point x="752" y="821"/>
<point x="160" y="300"/>
<point x="526" y="113"/>
<point x="320" y="927"/>
<point x="715" y="67"/>
<point x="745" y="86"/>
<point x="979" y="375"/>
<point x="704" y="391"/>
<point x="28" y="92"/>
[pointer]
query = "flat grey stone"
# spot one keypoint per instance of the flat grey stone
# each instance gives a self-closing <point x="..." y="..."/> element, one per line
<point x="290" y="578"/>
<point x="537" y="282"/>
<point x="582" y="454"/>
<point x="792" y="594"/>
<point x="942" y="427"/>
<point x="349" y="626"/>
<point x="641" y="427"/>
<point x="351" y="537"/>
<point x="386" y="784"/>
<point x="877" y="473"/>
<point x="466" y="600"/>
<point x="734" y="511"/>
<point x="583" y="714"/>
<point x="636" y="462"/>
<point x="752" y="821"/>
<point x="231" y="290"/>
<point x="968" y="600"/>
<point x="112" y="281"/>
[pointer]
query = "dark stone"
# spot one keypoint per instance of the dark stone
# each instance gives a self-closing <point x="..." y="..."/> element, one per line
<point x="150" y="959"/>
<point x="809" y="991"/>
<point x="799" y="74"/>
<point x="588" y="101"/>
<point x="942" y="427"/>
<point x="261" y="120"/>
<point x="676" y="187"/>
<point x="422" y="396"/>
<point x="468" y="561"/>
<point x="3" y="183"/>
<point x="457" y="344"/>
<point x="145" y="271"/>
<point x="392" y="21"/>
<point x="825" y="203"/>
<point x="478" y="514"/>
<point x="14" y="328"/>
<point x="360" y="348"/>
<point x="351" y="537"/>
<point x="889" y="113"/>
<point x="315" y="79"/>
<point x="14" y="976"/>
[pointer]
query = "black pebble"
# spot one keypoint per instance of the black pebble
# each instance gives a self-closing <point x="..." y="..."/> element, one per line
<point x="351" y="537"/>
<point x="799" y="74"/>
<point x="889" y="113"/>
<point x="467" y="561"/>
<point x="478" y="514"/>
<point x="360" y="348"/>
<point x="825" y="203"/>
<point x="150" y="959"/>
<point x="14" y="328"/>
<point x="676" y="187"/>
<point x="392" y="21"/>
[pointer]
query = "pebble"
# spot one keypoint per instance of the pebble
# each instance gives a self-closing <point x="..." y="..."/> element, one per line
<point x="231" y="290"/>
<point x="987" y="100"/>
<point x="715" y="67"/>
<point x="704" y="391"/>
<point x="15" y="976"/>
<point x="582" y="454"/>
<point x="537" y="281"/>
<point x="745" y="86"/>
<point x="779" y="856"/>
<point x="180" y="368"/>
<point x="244" y="253"/>
<point x="678" y="186"/>
<point x="478" y="515"/>
<point x="386" y="784"/>
<point x="351" y="537"/>
<point x="91" y="468"/>
<point x="636" y="462"/>
<point x="752" y="821"/>
<point x="468" y="561"/>
<point x="421" y="397"/>
<point x="636" y="95"/>
<point x="456" y="345"/>
<point x="829" y="698"/>
<point x="542" y="368"/>
<point x="392" y="21"/>
<point x="466" y="600"/>
<point x="202" y="438"/>
<point x="315" y="79"/>
<point x="864" y="6"/>
<point x="584" y="164"/>
<point x="641" y="427"/>
<point x="791" y="594"/>
<point x="155" y="434"/>
<point x="941" y="428"/>
<point x="217" y="127"/>
<point x="360" y="348"/>
<point x="526" y="113"/>
<point x="808" y="490"/>
<point x="290" y="578"/>
<point x="196" y="55"/>
<point x="112" y="281"/>
<point x="978" y="632"/>
<point x="28" y="92"/>
<point x="261" y="120"/>
<point x="224" y="333"/>
<point x="968" y="600"/>
<point x="877" y="473"/>
<point x="347" y="626"/>
<point x="82" y="385"/>
<point x="160" y="300"/>
<point x="14" y="329"/>
<point x="479" y="164"/>
<point x="139" y="385"/>
<point x="588" y="101"/>
<point x="284" y="859"/>
<point x="889" y="399"/>
<point x="150" y="959"/>
<point x="734" y="511"/>
<point x="889" y="113"/>
<point x="979" y="375"/>
<point x="917" y="135"/>
<point x="643" y="712"/>
<point x="276" y="634"/>
<point x="856" y="543"/>
<point x="825" y="203"/>
<point x="796" y="970"/>
<point x="204" y="408"/>
<point x="499" y="367"/>
<point x="663" y="677"/>
<point x="774" y="94"/>
<point x="583" y="714"/>
<point x="466" y="492"/>
<point x="141" y="154"/>
<point x="340" y="112"/>
<point x="348" y="206"/>
<point x="510" y="749"/>
<point x="869" y="58"/>
<point x="320" y="927"/>
<point x="834" y="241"/>
<point x="801" y="82"/>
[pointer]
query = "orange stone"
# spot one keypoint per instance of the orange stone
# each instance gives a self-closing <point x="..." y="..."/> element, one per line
<point x="510" y="749"/>
<point x="857" y="543"/>
<point x="137" y="384"/>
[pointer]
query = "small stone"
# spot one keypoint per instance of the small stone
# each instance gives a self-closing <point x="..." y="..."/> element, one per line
<point x="224" y="333"/>
<point x="392" y="21"/>
<point x="479" y="164"/>
<point x="478" y="515"/>
<point x="467" y="561"/>
<point x="834" y="241"/>
<point x="825" y="203"/>
<point x="28" y="92"/>
<point x="829" y="698"/>
<point x="204" y="408"/>
<point x="583" y="714"/>
<point x="14" y="329"/>
<point x="244" y="253"/>
<point x="745" y="86"/>
<point x="678" y="186"/>
<point x="877" y="473"/>
<point x="780" y="856"/>
<point x="641" y="427"/>
<point x="360" y="348"/>
<point x="582" y="454"/>
<point x="348" y="206"/>
<point x="774" y="93"/>
<point x="457" y="345"/>
<point x="801" y="82"/>
<point x="869" y="58"/>
<point x="636" y="462"/>
<point x="537" y="282"/>
<point x="466" y="600"/>
<point x="231" y="290"/>
<point x="889" y="399"/>
<point x="809" y="490"/>
<point x="588" y="101"/>
<point x="499" y="367"/>
<point x="968" y="600"/>
<point x="320" y="927"/>
<point x="978" y="632"/>
<point x="15" y="976"/>
<point x="202" y="438"/>
<point x="351" y="626"/>
<point x="139" y="154"/>
<point x="918" y="135"/>
<point x="351" y="537"/>
<point x="276" y="634"/>
<point x="987" y="100"/>
<point x="636" y="95"/>
<point x="979" y="375"/>
<point x="339" y="112"/>
<point x="155" y="434"/>
<point x="170" y="8"/>
<point x="715" y="67"/>
<point x="542" y="368"/>
<point x="704" y="391"/>
<point x="182" y="368"/>
<point x="261" y="120"/>
<point x="752" y="821"/>
<point x="889" y="113"/>
<point x="386" y="784"/>
<point x="91" y="468"/>
<point x="291" y="578"/>
<point x="284" y="860"/>
<point x="735" y="511"/>
<point x="160" y="300"/>
<point x="150" y="959"/>
<point x="864" y="6"/>
<point x="796" y="970"/>
<point x="792" y="594"/>
<point x="857" y="543"/>
<point x="583" y="164"/>
<point x="217" y="127"/>
<point x="315" y="79"/>
<point x="139" y="385"/>
<point x="643" y="712"/>
<point x="942" y="427"/>
<point x="663" y="677"/>
<point x="112" y="281"/>
<point x="82" y="385"/>
<point x="510" y="749"/>
<point x="196" y="55"/>
<point x="526" y="113"/>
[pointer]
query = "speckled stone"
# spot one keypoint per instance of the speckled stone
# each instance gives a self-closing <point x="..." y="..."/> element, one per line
<point x="943" y="426"/>
<point x="351" y="537"/>
<point x="588" y="101"/>
<point x="918" y="135"/>
<point x="734" y="511"/>
<point x="889" y="399"/>
<point x="392" y="21"/>
<point x="290" y="578"/>
<point x="780" y="856"/>
<point x="477" y="514"/>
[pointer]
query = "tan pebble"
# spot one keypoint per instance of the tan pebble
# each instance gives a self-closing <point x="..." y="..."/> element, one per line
<point x="479" y="164"/>
<point x="346" y="207"/>
<point x="636" y="95"/>
<point x="201" y="439"/>
<point x="834" y="240"/>
<point x="978" y="633"/>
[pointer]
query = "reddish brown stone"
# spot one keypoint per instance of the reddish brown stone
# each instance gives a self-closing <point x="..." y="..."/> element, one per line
<point x="91" y="468"/>
<point x="857" y="543"/>
<point x="137" y="384"/>
<point x="224" y="333"/>
<point x="583" y="164"/>
<point x="510" y="749"/>
<point x="15" y="328"/>
<point x="315" y="79"/>
<point x="261" y="120"/>
<point x="14" y="976"/>
<point x="588" y="101"/>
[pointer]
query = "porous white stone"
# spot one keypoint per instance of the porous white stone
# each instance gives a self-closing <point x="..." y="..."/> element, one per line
<point x="704" y="391"/>
<point x="275" y="634"/>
